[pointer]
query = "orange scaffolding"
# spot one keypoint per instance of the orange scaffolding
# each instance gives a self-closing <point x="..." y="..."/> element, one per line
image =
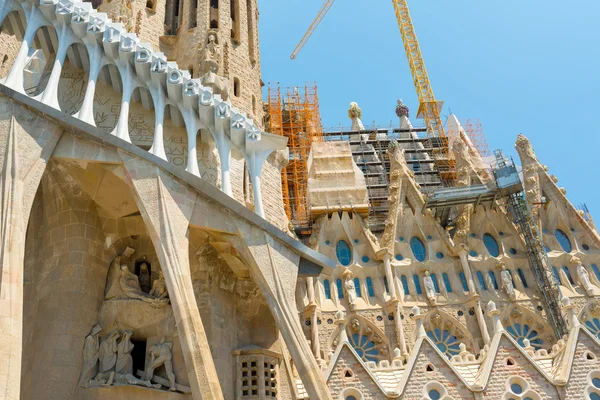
<point x="474" y="131"/>
<point x="294" y="113"/>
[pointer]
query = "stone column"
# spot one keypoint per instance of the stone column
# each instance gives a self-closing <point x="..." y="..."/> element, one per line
<point x="476" y="304"/>
<point x="24" y="152"/>
<point x="389" y="275"/>
<point x="312" y="308"/>
<point x="166" y="207"/>
<point x="65" y="39"/>
<point x="86" y="113"/>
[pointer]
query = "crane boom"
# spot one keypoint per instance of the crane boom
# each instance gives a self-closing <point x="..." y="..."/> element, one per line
<point x="429" y="107"/>
<point x="326" y="6"/>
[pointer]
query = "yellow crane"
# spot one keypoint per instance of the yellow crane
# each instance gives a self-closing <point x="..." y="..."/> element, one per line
<point x="429" y="107"/>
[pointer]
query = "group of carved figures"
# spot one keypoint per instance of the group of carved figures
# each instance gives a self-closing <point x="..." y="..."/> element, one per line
<point x="110" y="362"/>
<point x="123" y="284"/>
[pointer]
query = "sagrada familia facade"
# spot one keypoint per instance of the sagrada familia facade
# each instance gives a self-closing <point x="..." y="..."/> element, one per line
<point x="146" y="253"/>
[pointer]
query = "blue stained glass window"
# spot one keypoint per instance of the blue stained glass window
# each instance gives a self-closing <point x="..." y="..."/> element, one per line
<point x="482" y="284"/>
<point x="385" y="283"/>
<point x="491" y="245"/>
<point x="417" y="283"/>
<point x="434" y="395"/>
<point x="357" y="287"/>
<point x="350" y="398"/>
<point x="439" y="255"/>
<point x="418" y="248"/>
<point x="473" y="253"/>
<point x="513" y="251"/>
<point x="343" y="253"/>
<point x="568" y="273"/>
<point x="516" y="388"/>
<point x="596" y="272"/>
<point x="447" y="282"/>
<point x="521" y="332"/>
<point x="447" y="343"/>
<point x="563" y="240"/>
<point x="365" y="259"/>
<point x="493" y="278"/>
<point x="512" y="278"/>
<point x="522" y="276"/>
<point x="594" y="327"/>
<point x="364" y="347"/>
<point x="370" y="287"/>
<point x="596" y="383"/>
<point x="435" y="283"/>
<point x="399" y="257"/>
<point x="594" y="396"/>
<point x="405" y="284"/>
<point x="340" y="288"/>
<point x="556" y="275"/>
<point x="327" y="288"/>
<point x="463" y="279"/>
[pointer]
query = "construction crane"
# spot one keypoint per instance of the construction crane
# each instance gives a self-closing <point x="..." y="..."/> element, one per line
<point x="429" y="107"/>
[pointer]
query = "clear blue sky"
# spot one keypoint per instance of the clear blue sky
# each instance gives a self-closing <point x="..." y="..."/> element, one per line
<point x="530" y="67"/>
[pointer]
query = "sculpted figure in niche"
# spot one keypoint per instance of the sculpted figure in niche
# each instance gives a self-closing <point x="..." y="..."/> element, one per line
<point x="91" y="348"/>
<point x="113" y="287"/>
<point x="507" y="284"/>
<point x="582" y="274"/>
<point x="159" y="287"/>
<point x="130" y="286"/>
<point x="350" y="289"/>
<point x="212" y="60"/>
<point x="108" y="352"/>
<point x="124" y="359"/>
<point x="160" y="354"/>
<point x="429" y="288"/>
<point x="145" y="281"/>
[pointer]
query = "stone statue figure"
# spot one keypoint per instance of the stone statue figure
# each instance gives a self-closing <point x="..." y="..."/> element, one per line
<point x="130" y="286"/>
<point x="159" y="287"/>
<point x="91" y="348"/>
<point x="145" y="281"/>
<point x="507" y="284"/>
<point x="124" y="359"/>
<point x="210" y="68"/>
<point x="355" y="114"/>
<point x="584" y="277"/>
<point x="113" y="288"/>
<point x="350" y="289"/>
<point x="429" y="287"/>
<point x="212" y="53"/>
<point x="108" y="352"/>
<point x="160" y="354"/>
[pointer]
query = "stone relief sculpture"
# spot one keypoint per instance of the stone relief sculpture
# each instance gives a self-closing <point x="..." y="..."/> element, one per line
<point x="124" y="360"/>
<point x="159" y="287"/>
<point x="91" y="348"/>
<point x="113" y="289"/>
<point x="108" y="352"/>
<point x="212" y="61"/>
<point x="130" y="286"/>
<point x="429" y="288"/>
<point x="160" y="354"/>
<point x="507" y="284"/>
<point x="584" y="277"/>
<point x="145" y="280"/>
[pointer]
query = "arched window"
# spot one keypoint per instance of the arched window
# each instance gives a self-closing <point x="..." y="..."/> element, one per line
<point x="493" y="278"/>
<point x="482" y="284"/>
<point x="418" y="248"/>
<point x="364" y="347"/>
<point x="463" y="279"/>
<point x="370" y="290"/>
<point x="522" y="276"/>
<point x="491" y="245"/>
<point x="417" y="283"/>
<point x="340" y="288"/>
<point x="350" y="398"/>
<point x="357" y="287"/>
<point x="512" y="278"/>
<point x="596" y="272"/>
<point x="556" y="275"/>
<point x="563" y="240"/>
<point x="327" y="288"/>
<point x="405" y="285"/>
<point x="520" y="332"/>
<point x="385" y="283"/>
<point x="594" y="326"/>
<point x="568" y="273"/>
<point x="435" y="283"/>
<point x="447" y="282"/>
<point x="343" y="253"/>
<point x="447" y="343"/>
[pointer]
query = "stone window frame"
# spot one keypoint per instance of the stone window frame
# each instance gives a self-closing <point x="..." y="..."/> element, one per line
<point x="351" y="392"/>
<point x="590" y="388"/>
<point x="257" y="372"/>
<point x="526" y="392"/>
<point x="435" y="385"/>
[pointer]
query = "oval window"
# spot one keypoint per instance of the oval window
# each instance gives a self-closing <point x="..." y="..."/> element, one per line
<point x="418" y="248"/>
<point x="563" y="239"/>
<point x="491" y="245"/>
<point x="343" y="253"/>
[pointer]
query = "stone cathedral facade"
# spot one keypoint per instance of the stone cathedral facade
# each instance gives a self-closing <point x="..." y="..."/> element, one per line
<point x="146" y="253"/>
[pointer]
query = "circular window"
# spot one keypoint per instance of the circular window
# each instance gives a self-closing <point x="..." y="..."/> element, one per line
<point x="513" y="250"/>
<point x="439" y="255"/>
<point x="327" y="242"/>
<point x="401" y="239"/>
<point x="594" y="396"/>
<point x="516" y="388"/>
<point x="596" y="383"/>
<point x="586" y="247"/>
<point x="491" y="245"/>
<point x="501" y="233"/>
<point x="365" y="259"/>
<point x="343" y="253"/>
<point x="472" y="235"/>
<point x="473" y="253"/>
<point x="563" y="239"/>
<point x="418" y="248"/>
<point x="434" y="395"/>
<point x="429" y="237"/>
<point x="399" y="257"/>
